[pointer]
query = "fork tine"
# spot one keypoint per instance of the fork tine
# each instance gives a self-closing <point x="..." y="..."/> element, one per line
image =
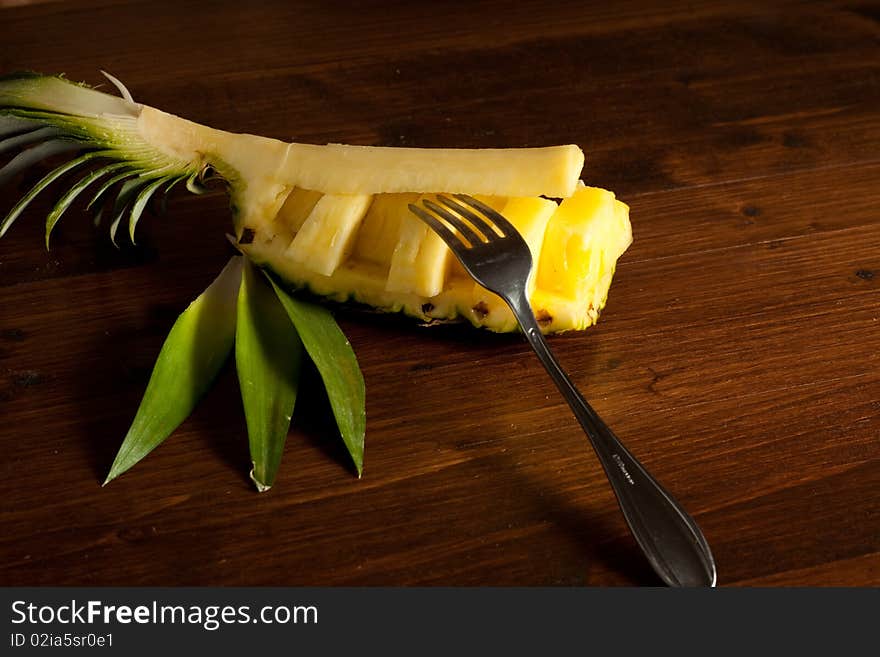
<point x="506" y="227"/>
<point x="451" y="239"/>
<point x="469" y="234"/>
<point x="478" y="222"/>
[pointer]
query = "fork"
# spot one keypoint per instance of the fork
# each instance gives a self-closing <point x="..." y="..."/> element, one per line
<point x="498" y="258"/>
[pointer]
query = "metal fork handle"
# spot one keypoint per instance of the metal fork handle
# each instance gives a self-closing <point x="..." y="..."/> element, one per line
<point x="669" y="537"/>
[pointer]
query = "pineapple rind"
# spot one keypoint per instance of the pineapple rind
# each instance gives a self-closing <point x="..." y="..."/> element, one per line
<point x="574" y="305"/>
<point x="450" y="305"/>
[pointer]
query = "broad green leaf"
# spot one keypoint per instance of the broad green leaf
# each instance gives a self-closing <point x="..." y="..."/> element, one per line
<point x="268" y="356"/>
<point x="332" y="354"/>
<point x="194" y="351"/>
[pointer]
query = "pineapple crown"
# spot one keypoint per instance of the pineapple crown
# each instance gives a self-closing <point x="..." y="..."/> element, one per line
<point x="44" y="116"/>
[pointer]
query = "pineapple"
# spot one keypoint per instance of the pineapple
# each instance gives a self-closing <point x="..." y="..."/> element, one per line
<point x="331" y="219"/>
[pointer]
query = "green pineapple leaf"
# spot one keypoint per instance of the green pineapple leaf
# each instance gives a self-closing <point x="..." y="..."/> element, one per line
<point x="337" y="364"/>
<point x="191" y="357"/>
<point x="268" y="358"/>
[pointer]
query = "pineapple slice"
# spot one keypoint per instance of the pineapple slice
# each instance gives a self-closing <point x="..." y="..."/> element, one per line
<point x="384" y="218"/>
<point x="326" y="237"/>
<point x="334" y="219"/>
<point x="420" y="260"/>
<point x="296" y="209"/>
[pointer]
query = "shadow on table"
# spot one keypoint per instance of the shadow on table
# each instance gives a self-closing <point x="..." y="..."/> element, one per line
<point x="606" y="544"/>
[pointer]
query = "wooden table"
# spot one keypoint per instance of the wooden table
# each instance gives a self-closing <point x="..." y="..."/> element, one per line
<point x="737" y="355"/>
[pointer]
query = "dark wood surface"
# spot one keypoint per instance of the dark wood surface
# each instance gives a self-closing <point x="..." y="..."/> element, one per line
<point x="737" y="356"/>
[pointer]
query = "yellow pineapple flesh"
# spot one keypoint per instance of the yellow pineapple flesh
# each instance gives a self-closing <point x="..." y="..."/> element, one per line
<point x="400" y="265"/>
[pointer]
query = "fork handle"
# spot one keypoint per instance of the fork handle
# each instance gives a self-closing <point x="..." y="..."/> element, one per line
<point x="669" y="537"/>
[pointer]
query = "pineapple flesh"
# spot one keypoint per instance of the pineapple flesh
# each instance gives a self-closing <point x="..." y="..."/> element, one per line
<point x="334" y="219"/>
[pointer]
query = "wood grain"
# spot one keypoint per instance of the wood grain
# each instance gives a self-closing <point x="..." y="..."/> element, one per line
<point x="737" y="356"/>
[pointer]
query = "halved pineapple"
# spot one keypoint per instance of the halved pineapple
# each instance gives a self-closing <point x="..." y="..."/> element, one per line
<point x="334" y="219"/>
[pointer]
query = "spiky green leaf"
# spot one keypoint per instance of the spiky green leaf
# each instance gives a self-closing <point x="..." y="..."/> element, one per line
<point x="40" y="134"/>
<point x="56" y="94"/>
<point x="33" y="155"/>
<point x="194" y="184"/>
<point x="47" y="180"/>
<point x="99" y="199"/>
<point x="268" y="356"/>
<point x="71" y="194"/>
<point x="127" y="192"/>
<point x="140" y="203"/>
<point x="191" y="357"/>
<point x="337" y="364"/>
<point x="12" y="125"/>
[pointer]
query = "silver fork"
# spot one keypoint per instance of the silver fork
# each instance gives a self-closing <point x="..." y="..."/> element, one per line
<point x="498" y="258"/>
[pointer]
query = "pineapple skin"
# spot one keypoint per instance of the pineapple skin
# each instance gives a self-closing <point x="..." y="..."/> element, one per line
<point x="575" y="247"/>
